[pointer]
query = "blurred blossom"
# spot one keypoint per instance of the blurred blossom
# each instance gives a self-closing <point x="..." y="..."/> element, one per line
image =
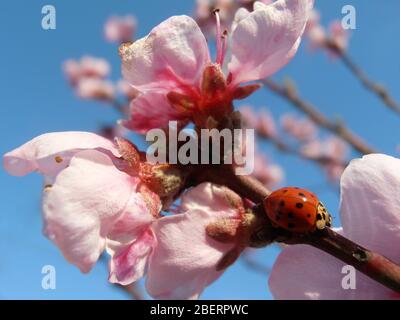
<point x="86" y="67"/>
<point x="269" y="174"/>
<point x="369" y="211"/>
<point x="266" y="124"/>
<point x="120" y="29"/>
<point x="332" y="150"/>
<point x="301" y="129"/>
<point x="338" y="35"/>
<point x="127" y="90"/>
<point x="315" y="32"/>
<point x="249" y="117"/>
<point x="90" y="88"/>
<point x="320" y="38"/>
<point x="262" y="121"/>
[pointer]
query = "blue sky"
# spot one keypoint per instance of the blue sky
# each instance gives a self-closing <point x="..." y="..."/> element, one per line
<point x="35" y="99"/>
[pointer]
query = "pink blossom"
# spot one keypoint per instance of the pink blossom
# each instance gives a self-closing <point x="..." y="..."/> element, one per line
<point x="249" y="117"/>
<point x="299" y="128"/>
<point x="369" y="210"/>
<point x="315" y="33"/>
<point x="334" y="152"/>
<point x="92" y="88"/>
<point x="172" y="68"/>
<point x="120" y="29"/>
<point x="339" y="35"/>
<point x="193" y="266"/>
<point x="88" y="199"/>
<point x="317" y="37"/>
<point x="86" y="67"/>
<point x="268" y="173"/>
<point x="266" y="125"/>
<point x="261" y="121"/>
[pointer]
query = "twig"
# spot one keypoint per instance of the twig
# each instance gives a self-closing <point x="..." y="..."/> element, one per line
<point x="288" y="92"/>
<point x="370" y="85"/>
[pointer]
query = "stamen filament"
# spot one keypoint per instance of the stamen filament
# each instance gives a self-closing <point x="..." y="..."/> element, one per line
<point x="219" y="43"/>
<point x="224" y="46"/>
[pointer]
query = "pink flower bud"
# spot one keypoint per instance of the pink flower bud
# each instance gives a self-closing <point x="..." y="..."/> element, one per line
<point x="120" y="29"/>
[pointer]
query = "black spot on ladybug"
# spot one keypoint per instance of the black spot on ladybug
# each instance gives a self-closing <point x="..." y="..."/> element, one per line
<point x="301" y="194"/>
<point x="284" y="191"/>
<point x="291" y="225"/>
<point x="282" y="203"/>
<point x="290" y="215"/>
<point x="308" y="215"/>
<point x="299" y="205"/>
<point x="296" y="188"/>
<point x="319" y="217"/>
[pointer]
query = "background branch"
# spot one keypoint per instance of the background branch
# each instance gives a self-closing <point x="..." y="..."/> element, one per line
<point x="288" y="92"/>
<point x="370" y="85"/>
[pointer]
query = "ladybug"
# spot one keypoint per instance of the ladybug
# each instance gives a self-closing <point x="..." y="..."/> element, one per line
<point x="297" y="210"/>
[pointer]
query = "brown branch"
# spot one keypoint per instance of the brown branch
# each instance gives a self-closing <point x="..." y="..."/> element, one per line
<point x="288" y="92"/>
<point x="369" y="263"/>
<point x="370" y="85"/>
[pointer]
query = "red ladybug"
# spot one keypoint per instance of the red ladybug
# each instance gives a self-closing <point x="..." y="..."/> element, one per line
<point x="297" y="210"/>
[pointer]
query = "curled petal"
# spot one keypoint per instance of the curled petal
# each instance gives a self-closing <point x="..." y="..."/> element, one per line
<point x="266" y="39"/>
<point x="173" y="54"/>
<point x="51" y="152"/>
<point x="80" y="209"/>
<point x="370" y="203"/>
<point x="129" y="264"/>
<point x="151" y="110"/>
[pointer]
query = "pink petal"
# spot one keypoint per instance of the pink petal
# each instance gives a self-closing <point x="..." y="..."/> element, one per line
<point x="185" y="258"/>
<point x="151" y="110"/>
<point x="51" y="152"/>
<point x="303" y="272"/>
<point x="84" y="203"/>
<point x="267" y="39"/>
<point x="129" y="265"/>
<point x="174" y="53"/>
<point x="370" y="203"/>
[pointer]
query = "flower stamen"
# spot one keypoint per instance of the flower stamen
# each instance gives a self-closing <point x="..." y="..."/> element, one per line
<point x="218" y="37"/>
